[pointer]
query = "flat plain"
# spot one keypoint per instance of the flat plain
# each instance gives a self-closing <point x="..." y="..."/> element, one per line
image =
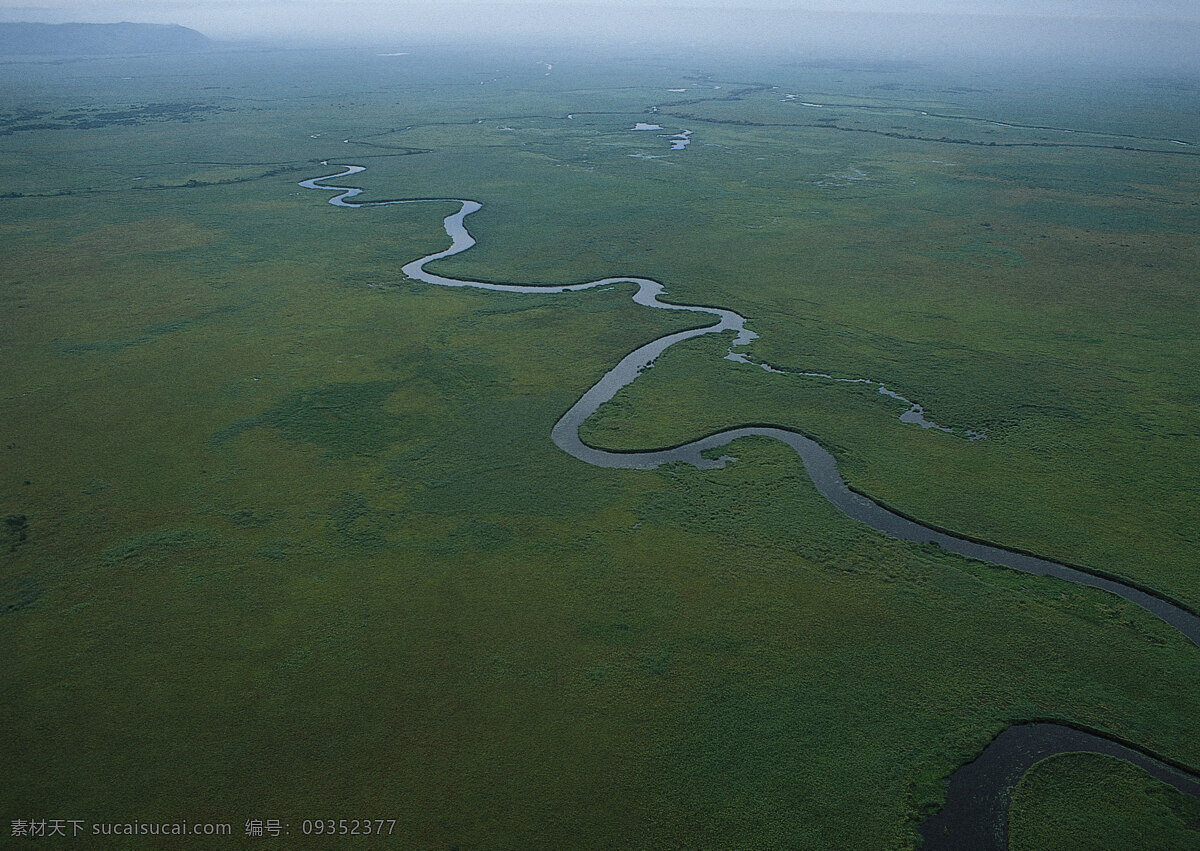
<point x="288" y="538"/>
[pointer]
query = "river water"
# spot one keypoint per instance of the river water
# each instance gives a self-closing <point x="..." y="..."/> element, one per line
<point x="976" y="812"/>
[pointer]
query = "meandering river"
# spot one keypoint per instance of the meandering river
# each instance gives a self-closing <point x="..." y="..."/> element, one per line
<point x="976" y="810"/>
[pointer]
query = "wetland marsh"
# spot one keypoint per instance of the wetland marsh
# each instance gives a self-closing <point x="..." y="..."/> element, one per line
<point x="289" y="535"/>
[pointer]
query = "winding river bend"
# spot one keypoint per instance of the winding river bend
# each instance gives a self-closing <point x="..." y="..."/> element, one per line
<point x="975" y="815"/>
<point x="976" y="811"/>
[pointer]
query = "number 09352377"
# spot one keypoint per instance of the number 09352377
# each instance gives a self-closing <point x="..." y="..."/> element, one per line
<point x="348" y="827"/>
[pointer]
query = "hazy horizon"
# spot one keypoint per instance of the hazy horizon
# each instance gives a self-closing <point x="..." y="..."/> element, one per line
<point x="1099" y="33"/>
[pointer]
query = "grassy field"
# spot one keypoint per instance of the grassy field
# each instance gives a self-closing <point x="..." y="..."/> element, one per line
<point x="287" y="536"/>
<point x="1095" y="801"/>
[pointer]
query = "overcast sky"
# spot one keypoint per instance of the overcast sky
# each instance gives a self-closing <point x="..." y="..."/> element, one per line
<point x="1125" y="28"/>
<point x="145" y="9"/>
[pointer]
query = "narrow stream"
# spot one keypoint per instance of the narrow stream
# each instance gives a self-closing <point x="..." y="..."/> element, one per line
<point x="975" y="815"/>
<point x="965" y="821"/>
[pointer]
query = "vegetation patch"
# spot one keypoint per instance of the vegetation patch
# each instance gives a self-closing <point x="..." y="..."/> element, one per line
<point x="94" y="118"/>
<point x="19" y="593"/>
<point x="16" y="530"/>
<point x="343" y="419"/>
<point x="157" y="548"/>
<point x="1086" y="800"/>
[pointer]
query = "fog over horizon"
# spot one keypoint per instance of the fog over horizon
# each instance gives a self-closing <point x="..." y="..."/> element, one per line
<point x="1118" y="34"/>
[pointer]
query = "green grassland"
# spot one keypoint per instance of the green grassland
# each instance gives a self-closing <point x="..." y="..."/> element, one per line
<point x="287" y="536"/>
<point x="1095" y="801"/>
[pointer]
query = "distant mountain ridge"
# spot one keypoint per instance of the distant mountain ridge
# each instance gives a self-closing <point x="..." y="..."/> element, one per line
<point x="21" y="39"/>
